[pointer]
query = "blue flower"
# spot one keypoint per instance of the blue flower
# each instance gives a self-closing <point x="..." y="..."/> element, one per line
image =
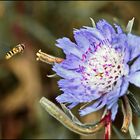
<point x="97" y="67"/>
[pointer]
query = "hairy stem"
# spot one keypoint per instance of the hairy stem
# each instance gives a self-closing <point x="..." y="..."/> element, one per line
<point x="108" y="126"/>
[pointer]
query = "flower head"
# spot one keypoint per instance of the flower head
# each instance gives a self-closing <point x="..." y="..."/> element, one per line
<point x="97" y="68"/>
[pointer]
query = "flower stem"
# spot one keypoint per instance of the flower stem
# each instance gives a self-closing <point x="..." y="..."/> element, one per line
<point x="108" y="126"/>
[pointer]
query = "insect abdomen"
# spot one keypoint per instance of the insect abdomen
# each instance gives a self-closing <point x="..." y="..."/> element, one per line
<point x="19" y="48"/>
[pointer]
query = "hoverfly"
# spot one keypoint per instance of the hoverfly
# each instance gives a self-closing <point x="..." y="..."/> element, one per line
<point x="18" y="49"/>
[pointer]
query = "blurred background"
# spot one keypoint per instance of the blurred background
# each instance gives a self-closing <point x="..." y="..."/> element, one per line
<point x="23" y="80"/>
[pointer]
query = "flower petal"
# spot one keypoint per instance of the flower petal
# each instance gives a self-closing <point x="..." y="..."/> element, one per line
<point x="71" y="62"/>
<point x="82" y="41"/>
<point x="119" y="30"/>
<point x="82" y="94"/>
<point x="66" y="98"/>
<point x="68" y="74"/>
<point x="94" y="107"/>
<point x="95" y="32"/>
<point x="68" y="47"/>
<point x="134" y="78"/>
<point x="135" y="66"/>
<point x="115" y="91"/>
<point x="69" y="83"/>
<point x="114" y="95"/>
<point x="106" y="29"/>
<point x="112" y="102"/>
<point x="126" y="54"/>
<point x="119" y="42"/>
<point x="134" y="45"/>
<point x="124" y="87"/>
<point x="114" y="111"/>
<point x="87" y="38"/>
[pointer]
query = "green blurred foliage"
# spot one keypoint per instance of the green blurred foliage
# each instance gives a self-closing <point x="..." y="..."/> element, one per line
<point x="38" y="24"/>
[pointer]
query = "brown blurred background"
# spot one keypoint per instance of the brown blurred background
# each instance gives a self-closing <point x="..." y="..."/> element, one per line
<point x="23" y="80"/>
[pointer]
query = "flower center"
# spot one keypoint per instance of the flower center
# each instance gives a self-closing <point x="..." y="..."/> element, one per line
<point x="102" y="68"/>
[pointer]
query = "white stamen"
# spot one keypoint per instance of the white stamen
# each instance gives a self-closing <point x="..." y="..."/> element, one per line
<point x="103" y="68"/>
